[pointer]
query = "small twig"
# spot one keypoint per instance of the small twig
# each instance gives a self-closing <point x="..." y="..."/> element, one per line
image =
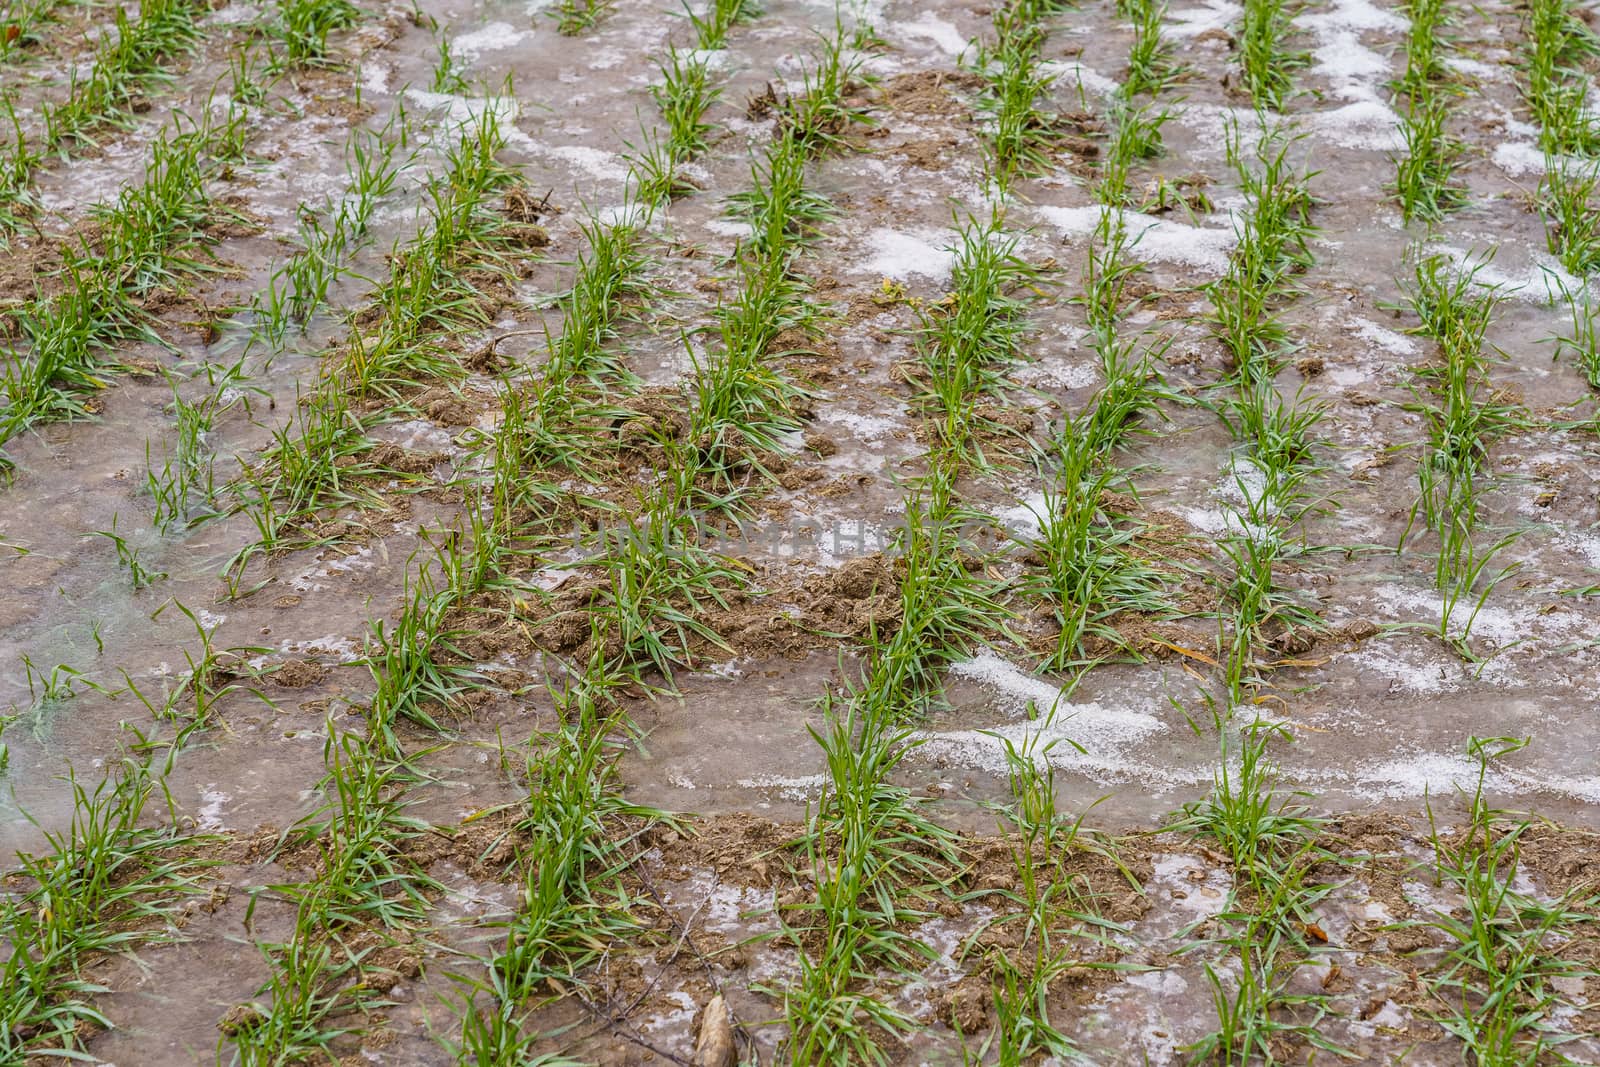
<point x="615" y="1025"/>
<point x="686" y="939"/>
<point x="489" y="349"/>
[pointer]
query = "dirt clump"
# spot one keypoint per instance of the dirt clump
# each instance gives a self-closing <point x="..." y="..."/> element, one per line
<point x="967" y="1005"/>
<point x="447" y="408"/>
<point x="929" y="92"/>
<point x="392" y="457"/>
<point x="654" y="416"/>
<point x="861" y="594"/>
<point x="298" y="674"/>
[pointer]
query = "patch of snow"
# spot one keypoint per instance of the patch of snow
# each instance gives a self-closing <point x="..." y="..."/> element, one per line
<point x="374" y="79"/>
<point x="340" y="648"/>
<point x="1047" y="372"/>
<point x="1366" y="124"/>
<point x="1543" y="781"/>
<point x="1545" y="282"/>
<point x="1245" y="496"/>
<point x="1067" y="72"/>
<point x="459" y="110"/>
<point x="307" y="581"/>
<point x="866" y="427"/>
<point x="805" y="787"/>
<point x="1211" y="15"/>
<point x="1027" y="518"/>
<point x="1087" y="738"/>
<point x="930" y="27"/>
<point x="1499" y="624"/>
<point x="1404" y="674"/>
<point x="233" y="15"/>
<point x="1517" y="158"/>
<point x="1389" y="1017"/>
<point x="490" y="38"/>
<point x="1584" y="544"/>
<point x="849" y="539"/>
<point x="1154" y="240"/>
<point x="420" y="434"/>
<point x="1176" y="871"/>
<point x="728" y="227"/>
<point x="1476" y="68"/>
<point x="1395" y="344"/>
<point x="1356" y="74"/>
<point x="1411" y="776"/>
<point x="1211" y="123"/>
<point x="212" y="800"/>
<point x="595" y="162"/>
<point x="901" y="255"/>
<point x="1020" y="692"/>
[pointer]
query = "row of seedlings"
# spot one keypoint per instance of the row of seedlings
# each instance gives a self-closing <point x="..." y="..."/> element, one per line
<point x="872" y="853"/>
<point x="330" y="238"/>
<point x="1091" y="572"/>
<point x="742" y="402"/>
<point x="569" y="852"/>
<point x="1561" y="49"/>
<point x="1267" y="61"/>
<point x="1087" y="546"/>
<point x="1560" y="53"/>
<point x="1499" y="981"/>
<point x="23" y="27"/>
<point x="655" y="574"/>
<point x="572" y="844"/>
<point x="556" y="417"/>
<point x="1019" y="131"/>
<point x="575" y="17"/>
<point x="364" y="889"/>
<point x="113" y="881"/>
<point x="129" y="61"/>
<point x="1425" y="175"/>
<point x="1269" y="924"/>
<point x="153" y="235"/>
<point x="183" y="486"/>
<point x="981" y="331"/>
<point x="158" y="235"/>
<point x="1134" y="119"/>
<point x="1151" y="67"/>
<point x="319" y="459"/>
<point x="1267" y="836"/>
<point x="1270" y="482"/>
<point x="1509" y="963"/>
<point x="1463" y="417"/>
<point x="363" y="892"/>
<point x="303" y="26"/>
<point x="876" y="857"/>
<point x="121" y="880"/>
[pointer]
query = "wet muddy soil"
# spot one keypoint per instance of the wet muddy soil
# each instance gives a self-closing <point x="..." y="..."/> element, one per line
<point x="1378" y="711"/>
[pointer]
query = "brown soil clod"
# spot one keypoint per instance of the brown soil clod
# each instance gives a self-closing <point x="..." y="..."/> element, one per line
<point x="298" y="674"/>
